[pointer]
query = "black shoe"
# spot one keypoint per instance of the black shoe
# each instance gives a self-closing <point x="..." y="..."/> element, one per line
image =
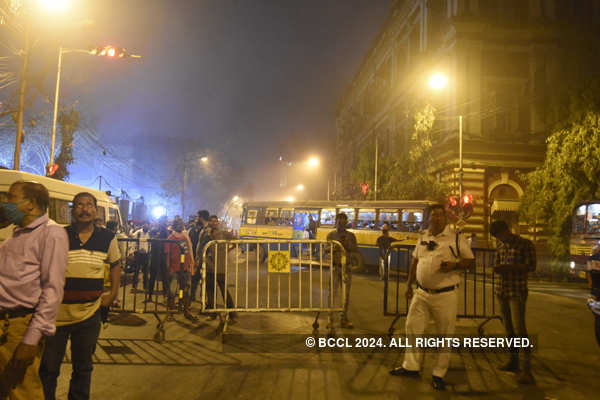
<point x="438" y="383"/>
<point x="401" y="371"/>
<point x="511" y="366"/>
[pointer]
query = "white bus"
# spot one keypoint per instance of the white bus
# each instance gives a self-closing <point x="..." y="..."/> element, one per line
<point x="61" y="196"/>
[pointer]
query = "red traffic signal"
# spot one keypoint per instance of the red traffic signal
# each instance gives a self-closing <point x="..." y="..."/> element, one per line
<point x="466" y="203"/>
<point x="109" y="51"/>
<point x="452" y="208"/>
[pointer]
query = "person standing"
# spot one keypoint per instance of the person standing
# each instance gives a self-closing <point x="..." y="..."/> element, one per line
<point x="79" y="316"/>
<point x="32" y="278"/>
<point x="158" y="260"/>
<point x="384" y="242"/>
<point x="203" y="238"/>
<point x="515" y="259"/>
<point x="439" y="257"/>
<point x="216" y="261"/>
<point x="181" y="266"/>
<point x="348" y="241"/>
<point x="140" y="256"/>
<point x="312" y="227"/>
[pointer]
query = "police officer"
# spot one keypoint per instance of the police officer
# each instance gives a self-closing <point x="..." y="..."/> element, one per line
<point x="438" y="259"/>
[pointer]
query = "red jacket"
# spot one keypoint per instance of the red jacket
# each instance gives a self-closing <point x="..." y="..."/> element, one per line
<point x="173" y="253"/>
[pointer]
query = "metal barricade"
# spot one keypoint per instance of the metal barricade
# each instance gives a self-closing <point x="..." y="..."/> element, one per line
<point x="476" y="298"/>
<point x="281" y="275"/>
<point x="148" y="257"/>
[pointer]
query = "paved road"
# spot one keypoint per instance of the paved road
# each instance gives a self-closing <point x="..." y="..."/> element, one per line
<point x="191" y="364"/>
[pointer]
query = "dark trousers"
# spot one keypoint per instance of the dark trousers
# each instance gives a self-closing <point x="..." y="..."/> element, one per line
<point x="210" y="289"/>
<point x="84" y="336"/>
<point x="196" y="278"/>
<point x="513" y="316"/>
<point x="158" y="267"/>
<point x="140" y="261"/>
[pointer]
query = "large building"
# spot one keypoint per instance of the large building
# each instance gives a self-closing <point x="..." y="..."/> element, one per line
<point x="502" y="59"/>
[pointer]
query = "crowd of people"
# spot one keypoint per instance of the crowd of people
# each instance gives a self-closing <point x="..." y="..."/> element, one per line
<point x="56" y="283"/>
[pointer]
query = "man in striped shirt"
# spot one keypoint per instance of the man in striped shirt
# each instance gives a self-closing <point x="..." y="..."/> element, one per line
<point x="90" y="247"/>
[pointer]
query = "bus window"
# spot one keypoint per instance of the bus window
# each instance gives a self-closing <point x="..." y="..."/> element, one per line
<point x="411" y="220"/>
<point x="272" y="216"/>
<point x="101" y="214"/>
<point x="593" y="218"/>
<point x="327" y="216"/>
<point x="60" y="211"/>
<point x="366" y="219"/>
<point x="251" y="217"/>
<point x="287" y="216"/>
<point x="579" y="220"/>
<point x="389" y="217"/>
<point x="112" y="215"/>
<point x="350" y="213"/>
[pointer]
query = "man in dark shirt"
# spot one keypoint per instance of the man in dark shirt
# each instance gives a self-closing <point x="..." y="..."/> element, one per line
<point x="348" y="240"/>
<point x="204" y="234"/>
<point x="383" y="244"/>
<point x="515" y="258"/>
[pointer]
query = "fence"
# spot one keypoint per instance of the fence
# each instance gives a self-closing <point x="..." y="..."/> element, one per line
<point x="476" y="294"/>
<point x="281" y="275"/>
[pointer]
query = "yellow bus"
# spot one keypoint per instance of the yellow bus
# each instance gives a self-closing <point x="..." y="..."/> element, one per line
<point x="289" y="220"/>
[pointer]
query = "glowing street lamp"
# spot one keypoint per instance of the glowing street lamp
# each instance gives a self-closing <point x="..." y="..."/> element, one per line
<point x="438" y="81"/>
<point x="204" y="159"/>
<point x="313" y="162"/>
<point x="290" y="199"/>
<point x="300" y="187"/>
<point x="236" y="198"/>
<point x="55" y="6"/>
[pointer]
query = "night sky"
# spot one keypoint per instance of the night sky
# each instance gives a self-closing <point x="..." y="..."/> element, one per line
<point x="244" y="81"/>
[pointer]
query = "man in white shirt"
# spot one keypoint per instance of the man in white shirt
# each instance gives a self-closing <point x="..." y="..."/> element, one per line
<point x="439" y="258"/>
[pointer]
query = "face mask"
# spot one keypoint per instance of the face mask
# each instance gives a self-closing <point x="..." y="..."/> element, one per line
<point x="12" y="213"/>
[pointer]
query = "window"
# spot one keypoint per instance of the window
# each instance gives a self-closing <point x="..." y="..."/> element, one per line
<point x="251" y="217"/>
<point x="101" y="214"/>
<point x="350" y="213"/>
<point x="593" y="218"/>
<point x="366" y="219"/>
<point x="60" y="211"/>
<point x="272" y="216"/>
<point x="113" y="214"/>
<point x="389" y="217"/>
<point x="579" y="219"/>
<point x="328" y="216"/>
<point x="287" y="216"/>
<point x="412" y="220"/>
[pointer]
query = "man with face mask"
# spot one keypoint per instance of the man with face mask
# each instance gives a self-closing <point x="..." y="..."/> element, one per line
<point x="32" y="275"/>
<point x="438" y="259"/>
<point x="79" y="317"/>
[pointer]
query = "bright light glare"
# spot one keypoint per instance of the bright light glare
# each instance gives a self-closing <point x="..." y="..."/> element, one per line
<point x="438" y="81"/>
<point x="111" y="52"/>
<point x="290" y="198"/>
<point x="236" y="198"/>
<point x="204" y="159"/>
<point x="300" y="187"/>
<point x="572" y="264"/>
<point x="159" y="211"/>
<point x="55" y="6"/>
<point x="313" y="162"/>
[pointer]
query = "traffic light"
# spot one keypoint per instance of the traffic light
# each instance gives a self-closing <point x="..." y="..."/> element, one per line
<point x="466" y="204"/>
<point x="109" y="51"/>
<point x="452" y="209"/>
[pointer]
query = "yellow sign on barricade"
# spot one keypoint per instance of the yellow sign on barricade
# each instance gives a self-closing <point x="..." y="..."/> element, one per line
<point x="279" y="262"/>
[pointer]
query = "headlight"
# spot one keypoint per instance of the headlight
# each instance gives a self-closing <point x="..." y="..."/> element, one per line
<point x="572" y="264"/>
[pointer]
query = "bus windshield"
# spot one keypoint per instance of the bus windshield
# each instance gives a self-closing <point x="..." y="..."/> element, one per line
<point x="593" y="218"/>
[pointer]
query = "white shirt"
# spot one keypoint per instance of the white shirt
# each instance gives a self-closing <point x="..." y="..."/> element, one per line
<point x="143" y="237"/>
<point x="430" y="261"/>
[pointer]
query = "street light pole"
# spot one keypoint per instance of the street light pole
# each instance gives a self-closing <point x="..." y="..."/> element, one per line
<point x="17" y="155"/>
<point x="376" y="162"/>
<point x="460" y="157"/>
<point x="55" y="114"/>
<point x="183" y="191"/>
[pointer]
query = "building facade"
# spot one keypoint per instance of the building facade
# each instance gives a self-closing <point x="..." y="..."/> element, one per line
<point x="502" y="59"/>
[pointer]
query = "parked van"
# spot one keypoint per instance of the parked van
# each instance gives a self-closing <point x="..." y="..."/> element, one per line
<point x="61" y="196"/>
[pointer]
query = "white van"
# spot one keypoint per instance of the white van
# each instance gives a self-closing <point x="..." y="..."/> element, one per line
<point x="61" y="196"/>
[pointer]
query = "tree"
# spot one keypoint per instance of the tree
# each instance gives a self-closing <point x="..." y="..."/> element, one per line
<point x="69" y="123"/>
<point x="570" y="172"/>
<point x="405" y="171"/>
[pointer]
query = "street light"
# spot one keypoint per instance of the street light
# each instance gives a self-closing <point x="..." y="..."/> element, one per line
<point x="313" y="162"/>
<point x="204" y="159"/>
<point x="300" y="187"/>
<point x="438" y="81"/>
<point x="55" y="6"/>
